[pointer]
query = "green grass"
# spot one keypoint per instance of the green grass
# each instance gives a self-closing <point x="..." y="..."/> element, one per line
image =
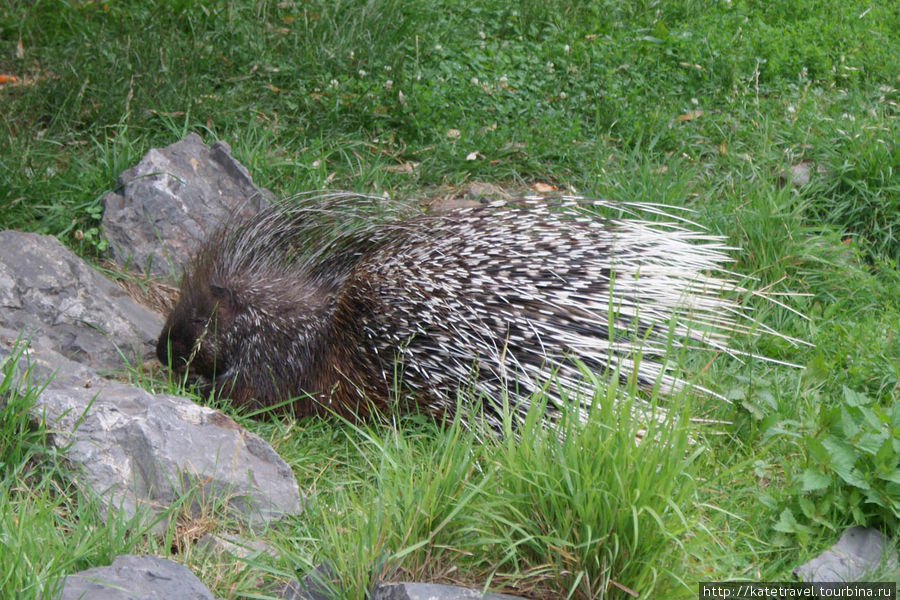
<point x="49" y="527"/>
<point x="689" y="103"/>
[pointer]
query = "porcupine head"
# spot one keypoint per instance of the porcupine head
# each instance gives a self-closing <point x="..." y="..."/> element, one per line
<point x="196" y="328"/>
<point x="249" y="335"/>
<point x="190" y="336"/>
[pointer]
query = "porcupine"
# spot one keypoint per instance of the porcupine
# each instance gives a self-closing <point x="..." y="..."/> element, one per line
<point x="307" y="301"/>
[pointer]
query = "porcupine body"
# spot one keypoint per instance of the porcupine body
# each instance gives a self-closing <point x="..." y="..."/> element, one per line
<point x="304" y="302"/>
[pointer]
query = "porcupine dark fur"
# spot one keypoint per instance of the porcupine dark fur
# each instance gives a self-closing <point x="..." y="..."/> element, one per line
<point x="307" y="301"/>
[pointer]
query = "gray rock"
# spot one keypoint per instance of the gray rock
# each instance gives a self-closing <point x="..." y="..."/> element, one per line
<point x="433" y="591"/>
<point x="52" y="296"/>
<point x="319" y="584"/>
<point x="800" y="174"/>
<point x="232" y="545"/>
<point x="139" y="451"/>
<point x="859" y="551"/>
<point x="323" y="584"/>
<point x="165" y="205"/>
<point x="291" y="591"/>
<point x="131" y="577"/>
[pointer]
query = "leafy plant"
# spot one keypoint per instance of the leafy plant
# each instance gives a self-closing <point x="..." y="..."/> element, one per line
<point x="852" y="470"/>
